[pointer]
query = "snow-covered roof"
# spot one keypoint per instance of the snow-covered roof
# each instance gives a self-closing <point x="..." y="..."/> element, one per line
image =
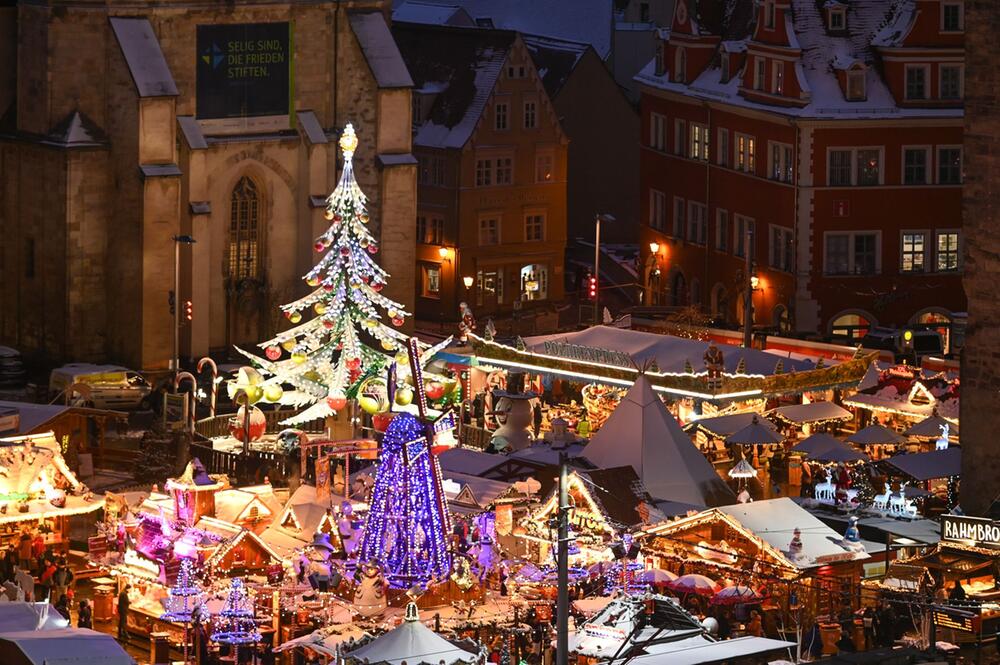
<point x="810" y="413"/>
<point x="773" y="521"/>
<point x="379" y="49"/>
<point x="304" y="513"/>
<point x="670" y="353"/>
<point x="431" y="13"/>
<point x="413" y="643"/>
<point x="464" y="65"/>
<point x="871" y="23"/>
<point x="554" y="60"/>
<point x="235" y="504"/>
<point x="643" y="434"/>
<point x="18" y="616"/>
<point x="78" y="646"/>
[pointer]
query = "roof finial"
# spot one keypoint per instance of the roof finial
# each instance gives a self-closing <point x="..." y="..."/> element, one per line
<point x="348" y="141"/>
<point x="411" y="612"/>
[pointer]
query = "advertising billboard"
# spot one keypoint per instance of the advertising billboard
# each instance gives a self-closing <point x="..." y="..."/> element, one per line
<point x="244" y="70"/>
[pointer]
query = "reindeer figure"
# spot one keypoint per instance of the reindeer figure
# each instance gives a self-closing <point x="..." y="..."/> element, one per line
<point x="897" y="502"/>
<point x="825" y="491"/>
<point x="881" y="501"/>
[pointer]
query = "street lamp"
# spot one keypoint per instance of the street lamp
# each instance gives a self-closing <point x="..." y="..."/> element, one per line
<point x="178" y="241"/>
<point x="654" y="247"/>
<point x="443" y="252"/>
<point x="598" y="218"/>
<point x="467" y="280"/>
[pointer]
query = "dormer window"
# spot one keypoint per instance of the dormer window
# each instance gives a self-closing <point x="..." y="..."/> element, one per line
<point x="725" y="66"/>
<point x="660" y="64"/>
<point x="769" y="14"/>
<point x="838" y="19"/>
<point x="778" y="77"/>
<point x="951" y="17"/>
<point x="680" y="65"/>
<point x="856" y="86"/>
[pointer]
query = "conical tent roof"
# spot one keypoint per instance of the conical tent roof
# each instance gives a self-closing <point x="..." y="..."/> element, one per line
<point x="875" y="434"/>
<point x="411" y="642"/>
<point x="643" y="434"/>
<point x="930" y="427"/>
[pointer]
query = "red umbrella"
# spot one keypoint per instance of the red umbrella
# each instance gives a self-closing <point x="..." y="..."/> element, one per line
<point x="736" y="595"/>
<point x="693" y="583"/>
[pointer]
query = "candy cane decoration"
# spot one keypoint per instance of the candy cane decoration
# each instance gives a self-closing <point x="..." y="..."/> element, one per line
<point x="215" y="383"/>
<point x="194" y="387"/>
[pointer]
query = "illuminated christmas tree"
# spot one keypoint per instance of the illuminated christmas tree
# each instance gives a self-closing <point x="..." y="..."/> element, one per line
<point x="346" y="336"/>
<point x="236" y="623"/>
<point x="408" y="523"/>
<point x="184" y="596"/>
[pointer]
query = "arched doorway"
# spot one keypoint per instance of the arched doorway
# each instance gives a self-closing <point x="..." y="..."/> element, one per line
<point x="696" y="292"/>
<point x="852" y="325"/>
<point x="718" y="302"/>
<point x="928" y="318"/>
<point x="244" y="266"/>
<point x="678" y="290"/>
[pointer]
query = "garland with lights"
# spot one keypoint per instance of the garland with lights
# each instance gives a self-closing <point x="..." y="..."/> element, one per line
<point x="322" y="357"/>
<point x="236" y="623"/>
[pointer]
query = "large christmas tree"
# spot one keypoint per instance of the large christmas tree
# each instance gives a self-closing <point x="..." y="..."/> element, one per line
<point x="346" y="337"/>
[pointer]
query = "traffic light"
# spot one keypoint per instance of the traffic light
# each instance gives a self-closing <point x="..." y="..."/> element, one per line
<point x="592" y="287"/>
<point x="188" y="310"/>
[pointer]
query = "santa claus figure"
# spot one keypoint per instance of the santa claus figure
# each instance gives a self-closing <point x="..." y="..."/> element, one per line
<point x="467" y="324"/>
<point x="715" y="363"/>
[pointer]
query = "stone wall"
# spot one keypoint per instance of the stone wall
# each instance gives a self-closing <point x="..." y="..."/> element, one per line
<point x="981" y="212"/>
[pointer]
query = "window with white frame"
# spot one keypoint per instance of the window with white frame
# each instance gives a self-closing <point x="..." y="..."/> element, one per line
<point x="430" y="280"/>
<point x="543" y="166"/>
<point x="839" y="171"/>
<point x="505" y="170"/>
<point x="534" y="226"/>
<point x="769" y="14"/>
<point x="837" y="19"/>
<point x="951" y="17"/>
<point x="723" y="147"/>
<point x="500" y="112"/>
<point x="949" y="165"/>
<point x="759" y="73"/>
<point x="697" y="222"/>
<point x="916" y="82"/>
<point x="484" y="172"/>
<point x="778" y="77"/>
<point x="915" y="169"/>
<point x="869" y="170"/>
<point x="946" y="251"/>
<point x="680" y="136"/>
<point x="657" y="131"/>
<point x="913" y="251"/>
<point x="782" y="248"/>
<point x="489" y="230"/>
<point x="699" y="142"/>
<point x="745" y="153"/>
<point x="680" y="65"/>
<point x="854" y="166"/>
<point x="951" y="81"/>
<point x="430" y="231"/>
<point x="742" y="225"/>
<point x="679" y="209"/>
<point x="657" y="209"/>
<point x="851" y="253"/>
<point x="535" y="281"/>
<point x="780" y="167"/>
<point x="530" y="114"/>
<point x="721" y="230"/>
<point x="856" y="89"/>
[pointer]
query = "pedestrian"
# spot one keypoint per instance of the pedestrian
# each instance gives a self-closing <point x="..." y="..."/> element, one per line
<point x="38" y="547"/>
<point x="957" y="592"/>
<point x="479" y="410"/>
<point x="45" y="578"/>
<point x="85" y="618"/>
<point x="24" y="552"/>
<point x="536" y="417"/>
<point x="62" y="578"/>
<point x="62" y="606"/>
<point x="123" y="605"/>
<point x="756" y="627"/>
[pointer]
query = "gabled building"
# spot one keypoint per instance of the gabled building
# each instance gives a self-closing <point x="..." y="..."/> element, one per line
<point x="491" y="201"/>
<point x="811" y="153"/>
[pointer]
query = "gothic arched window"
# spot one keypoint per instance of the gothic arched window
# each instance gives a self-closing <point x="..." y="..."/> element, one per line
<point x="244" y="231"/>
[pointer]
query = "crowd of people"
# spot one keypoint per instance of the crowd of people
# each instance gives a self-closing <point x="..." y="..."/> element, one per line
<point x="32" y="571"/>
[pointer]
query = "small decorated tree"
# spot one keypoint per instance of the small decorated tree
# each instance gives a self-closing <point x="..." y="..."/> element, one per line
<point x="346" y="336"/>
<point x="236" y="623"/>
<point x="184" y="596"/>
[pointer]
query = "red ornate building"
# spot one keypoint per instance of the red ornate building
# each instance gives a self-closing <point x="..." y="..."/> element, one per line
<point x="823" y="136"/>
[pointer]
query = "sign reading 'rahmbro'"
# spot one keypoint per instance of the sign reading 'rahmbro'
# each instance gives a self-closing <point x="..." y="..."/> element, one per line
<point x="982" y="532"/>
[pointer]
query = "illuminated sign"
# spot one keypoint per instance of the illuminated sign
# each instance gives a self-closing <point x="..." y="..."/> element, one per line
<point x="979" y="531"/>
<point x="606" y="632"/>
<point x="588" y="354"/>
<point x="949" y="617"/>
<point x="835" y="558"/>
<point x="244" y="70"/>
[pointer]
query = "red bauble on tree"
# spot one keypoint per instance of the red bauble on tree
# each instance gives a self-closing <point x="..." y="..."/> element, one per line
<point x="336" y="401"/>
<point x="354" y="364"/>
<point x="373" y="248"/>
<point x="273" y="352"/>
<point x="435" y="390"/>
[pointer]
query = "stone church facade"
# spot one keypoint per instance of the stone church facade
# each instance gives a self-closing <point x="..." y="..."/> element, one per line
<point x="125" y="126"/>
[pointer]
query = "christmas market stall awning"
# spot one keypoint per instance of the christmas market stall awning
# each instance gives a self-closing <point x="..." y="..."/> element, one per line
<point x="674" y="365"/>
<point x="720" y="427"/>
<point x="838" y="452"/>
<point x="328" y="640"/>
<point x="413" y="643"/>
<point x="643" y="434"/>
<point x="15" y="616"/>
<point x="931" y="465"/>
<point x="755" y="433"/>
<point x="876" y="435"/>
<point x="815" y="443"/>
<point x="814" y="412"/>
<point x="78" y="646"/>
<point x="931" y="426"/>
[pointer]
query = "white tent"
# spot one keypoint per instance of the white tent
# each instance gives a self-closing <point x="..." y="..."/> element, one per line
<point x="415" y="644"/>
<point x="65" y="646"/>
<point x="642" y="433"/>
<point x="21" y="616"/>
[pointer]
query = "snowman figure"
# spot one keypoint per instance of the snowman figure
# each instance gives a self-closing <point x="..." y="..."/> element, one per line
<point x="370" y="593"/>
